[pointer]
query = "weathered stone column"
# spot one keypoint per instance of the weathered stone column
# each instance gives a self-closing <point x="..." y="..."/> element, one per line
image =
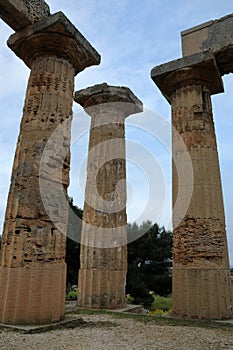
<point x="201" y="276"/>
<point x="32" y="265"/>
<point x="103" y="260"/>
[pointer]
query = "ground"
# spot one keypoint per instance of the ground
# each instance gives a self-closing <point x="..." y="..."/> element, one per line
<point x="109" y="332"/>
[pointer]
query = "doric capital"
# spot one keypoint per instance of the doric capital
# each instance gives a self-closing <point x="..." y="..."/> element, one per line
<point x="54" y="36"/>
<point x="198" y="69"/>
<point x="115" y="97"/>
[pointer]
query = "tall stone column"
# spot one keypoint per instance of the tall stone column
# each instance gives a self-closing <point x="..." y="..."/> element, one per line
<point x="32" y="264"/>
<point x="103" y="261"/>
<point x="201" y="276"/>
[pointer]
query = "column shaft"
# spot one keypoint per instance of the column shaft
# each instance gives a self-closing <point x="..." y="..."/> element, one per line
<point x="201" y="280"/>
<point x="33" y="250"/>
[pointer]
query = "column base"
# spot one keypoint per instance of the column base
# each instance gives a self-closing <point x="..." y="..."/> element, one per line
<point x="101" y="289"/>
<point x="201" y="293"/>
<point x="32" y="295"/>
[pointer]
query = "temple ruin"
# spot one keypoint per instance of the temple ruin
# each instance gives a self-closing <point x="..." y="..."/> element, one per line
<point x="32" y="260"/>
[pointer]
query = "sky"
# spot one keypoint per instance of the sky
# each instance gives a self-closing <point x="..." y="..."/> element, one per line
<point x="132" y="37"/>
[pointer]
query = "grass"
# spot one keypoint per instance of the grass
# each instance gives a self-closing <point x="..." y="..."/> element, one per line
<point x="161" y="321"/>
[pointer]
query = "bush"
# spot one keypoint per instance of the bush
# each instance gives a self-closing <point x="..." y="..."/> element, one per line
<point x="129" y="299"/>
<point x="161" y="303"/>
<point x="72" y="294"/>
<point x="157" y="313"/>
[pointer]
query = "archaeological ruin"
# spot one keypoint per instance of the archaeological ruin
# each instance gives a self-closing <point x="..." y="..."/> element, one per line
<point x="32" y="260"/>
<point x="201" y="274"/>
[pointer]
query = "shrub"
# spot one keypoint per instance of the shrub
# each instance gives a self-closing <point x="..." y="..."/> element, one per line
<point x="129" y="299"/>
<point x="72" y="295"/>
<point x="161" y="303"/>
<point x="157" y="313"/>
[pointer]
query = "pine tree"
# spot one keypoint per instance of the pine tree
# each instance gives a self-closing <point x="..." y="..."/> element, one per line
<point x="149" y="262"/>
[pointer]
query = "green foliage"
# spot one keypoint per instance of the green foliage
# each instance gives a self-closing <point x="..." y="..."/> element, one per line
<point x="161" y="303"/>
<point x="157" y="313"/>
<point x="129" y="299"/>
<point x="72" y="244"/>
<point x="149" y="262"/>
<point x="72" y="295"/>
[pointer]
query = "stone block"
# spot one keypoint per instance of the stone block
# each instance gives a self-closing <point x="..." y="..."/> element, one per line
<point x="18" y="14"/>
<point x="213" y="36"/>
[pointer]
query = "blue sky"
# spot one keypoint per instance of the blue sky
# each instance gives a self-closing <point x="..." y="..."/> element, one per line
<point x="132" y="37"/>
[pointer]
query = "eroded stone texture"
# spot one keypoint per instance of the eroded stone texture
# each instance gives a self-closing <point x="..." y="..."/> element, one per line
<point x="32" y="262"/>
<point x="103" y="260"/>
<point x="18" y="14"/>
<point x="201" y="276"/>
<point x="37" y="10"/>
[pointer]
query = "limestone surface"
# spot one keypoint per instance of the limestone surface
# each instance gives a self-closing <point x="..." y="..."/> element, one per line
<point x="190" y="69"/>
<point x="18" y="14"/>
<point x="32" y="261"/>
<point x="55" y="33"/>
<point x="201" y="275"/>
<point x="214" y="36"/>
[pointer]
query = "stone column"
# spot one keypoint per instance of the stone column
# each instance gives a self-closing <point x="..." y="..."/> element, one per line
<point x="103" y="261"/>
<point x="32" y="264"/>
<point x="201" y="276"/>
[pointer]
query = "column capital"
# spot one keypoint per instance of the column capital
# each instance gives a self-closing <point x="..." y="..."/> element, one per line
<point x="197" y="69"/>
<point x="118" y="97"/>
<point x="54" y="36"/>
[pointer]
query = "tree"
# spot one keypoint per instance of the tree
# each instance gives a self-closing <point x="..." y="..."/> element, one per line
<point x="73" y="244"/>
<point x="149" y="262"/>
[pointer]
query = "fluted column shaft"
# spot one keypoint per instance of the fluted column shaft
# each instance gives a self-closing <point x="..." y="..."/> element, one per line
<point x="32" y="265"/>
<point x="201" y="279"/>
<point x="103" y="261"/>
<point x="201" y="275"/>
<point x="33" y="250"/>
